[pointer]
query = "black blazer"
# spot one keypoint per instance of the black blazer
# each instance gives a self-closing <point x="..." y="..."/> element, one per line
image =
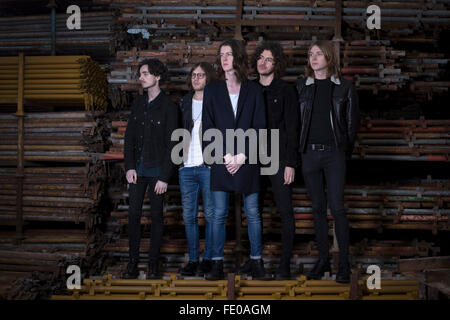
<point x="163" y="121"/>
<point x="218" y="114"/>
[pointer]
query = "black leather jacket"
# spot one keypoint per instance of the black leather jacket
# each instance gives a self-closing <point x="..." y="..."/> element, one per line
<point x="344" y="114"/>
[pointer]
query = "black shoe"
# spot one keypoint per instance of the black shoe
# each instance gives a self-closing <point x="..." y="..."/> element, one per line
<point x="258" y="271"/>
<point x="216" y="272"/>
<point x="344" y="272"/>
<point x="283" y="272"/>
<point x="153" y="269"/>
<point x="190" y="269"/>
<point x="246" y="268"/>
<point x="205" y="266"/>
<point x="321" y="266"/>
<point x="132" y="270"/>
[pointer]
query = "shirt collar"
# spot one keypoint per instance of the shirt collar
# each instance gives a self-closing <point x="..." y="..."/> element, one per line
<point x="333" y="79"/>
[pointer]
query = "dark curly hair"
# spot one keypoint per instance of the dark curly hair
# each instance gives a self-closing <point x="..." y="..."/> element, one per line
<point x="209" y="71"/>
<point x="240" y="59"/>
<point x="280" y="59"/>
<point x="156" y="68"/>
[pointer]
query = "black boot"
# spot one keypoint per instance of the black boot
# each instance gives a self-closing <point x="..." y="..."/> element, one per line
<point x="284" y="271"/>
<point x="153" y="269"/>
<point x="322" y="265"/>
<point x="344" y="272"/>
<point x="258" y="271"/>
<point x="190" y="269"/>
<point x="205" y="267"/>
<point x="216" y="272"/>
<point x="132" y="270"/>
<point x="246" y="268"/>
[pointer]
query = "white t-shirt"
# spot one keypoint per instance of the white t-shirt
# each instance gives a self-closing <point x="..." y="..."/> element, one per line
<point x="195" y="156"/>
<point x="234" y="102"/>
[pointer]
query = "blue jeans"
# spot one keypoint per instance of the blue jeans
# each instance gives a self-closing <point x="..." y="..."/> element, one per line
<point x="220" y="216"/>
<point x="192" y="181"/>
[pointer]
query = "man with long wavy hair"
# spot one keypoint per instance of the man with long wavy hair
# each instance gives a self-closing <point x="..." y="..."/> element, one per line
<point x="234" y="103"/>
<point x="329" y="119"/>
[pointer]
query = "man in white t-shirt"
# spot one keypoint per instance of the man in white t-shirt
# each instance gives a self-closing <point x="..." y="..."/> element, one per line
<point x="194" y="175"/>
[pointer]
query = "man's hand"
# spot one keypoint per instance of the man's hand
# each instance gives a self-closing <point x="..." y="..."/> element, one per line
<point x="160" y="187"/>
<point x="234" y="163"/>
<point x="131" y="176"/>
<point x="289" y="175"/>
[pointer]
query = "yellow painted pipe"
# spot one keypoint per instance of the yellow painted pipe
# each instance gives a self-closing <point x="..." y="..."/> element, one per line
<point x="262" y="290"/>
<point x="298" y="297"/>
<point x="325" y="290"/>
<point x="53" y="59"/>
<point x="325" y="283"/>
<point x="137" y="297"/>
<point x="390" y="297"/>
<point x="41" y="86"/>
<point x="199" y="283"/>
<point x="124" y="282"/>
<point x="42" y="92"/>
<point x="392" y="289"/>
<point x="44" y="147"/>
<point x="271" y="283"/>
<point x="53" y="66"/>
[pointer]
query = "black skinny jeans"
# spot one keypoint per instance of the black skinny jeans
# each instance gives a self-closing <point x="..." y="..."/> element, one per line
<point x="331" y="164"/>
<point x="283" y="199"/>
<point x="136" y="199"/>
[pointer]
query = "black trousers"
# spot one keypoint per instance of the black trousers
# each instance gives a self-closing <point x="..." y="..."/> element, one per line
<point x="329" y="164"/>
<point x="283" y="199"/>
<point x="136" y="199"/>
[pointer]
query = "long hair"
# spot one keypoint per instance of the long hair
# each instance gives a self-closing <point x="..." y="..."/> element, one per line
<point x="207" y="68"/>
<point x="240" y="59"/>
<point x="330" y="57"/>
<point x="280" y="60"/>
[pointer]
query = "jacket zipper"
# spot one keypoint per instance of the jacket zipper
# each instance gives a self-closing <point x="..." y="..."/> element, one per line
<point x="332" y="128"/>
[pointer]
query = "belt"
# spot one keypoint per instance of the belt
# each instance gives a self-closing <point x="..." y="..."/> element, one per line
<point x="319" y="147"/>
<point x="200" y="166"/>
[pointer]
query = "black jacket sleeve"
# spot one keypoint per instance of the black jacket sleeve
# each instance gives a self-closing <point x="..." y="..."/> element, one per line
<point x="353" y="117"/>
<point x="207" y="116"/>
<point x="171" y="118"/>
<point x="291" y="115"/>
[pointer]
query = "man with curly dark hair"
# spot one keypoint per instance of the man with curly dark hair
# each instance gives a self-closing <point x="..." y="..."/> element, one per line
<point x="281" y="103"/>
<point x="147" y="154"/>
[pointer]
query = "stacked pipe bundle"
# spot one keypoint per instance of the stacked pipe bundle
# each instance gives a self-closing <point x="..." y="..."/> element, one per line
<point x="370" y="65"/>
<point x="32" y="34"/>
<point x="64" y="81"/>
<point x="60" y="194"/>
<point x="43" y="251"/>
<point x="412" y="140"/>
<point x="399" y="18"/>
<point x="405" y="206"/>
<point x="425" y="70"/>
<point x="53" y="136"/>
<point x="60" y="204"/>
<point x="237" y="288"/>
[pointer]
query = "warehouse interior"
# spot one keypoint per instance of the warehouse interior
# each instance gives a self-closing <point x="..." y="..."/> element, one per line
<point x="65" y="96"/>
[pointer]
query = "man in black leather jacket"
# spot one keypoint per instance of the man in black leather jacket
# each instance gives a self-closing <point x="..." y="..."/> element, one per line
<point x="329" y="120"/>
